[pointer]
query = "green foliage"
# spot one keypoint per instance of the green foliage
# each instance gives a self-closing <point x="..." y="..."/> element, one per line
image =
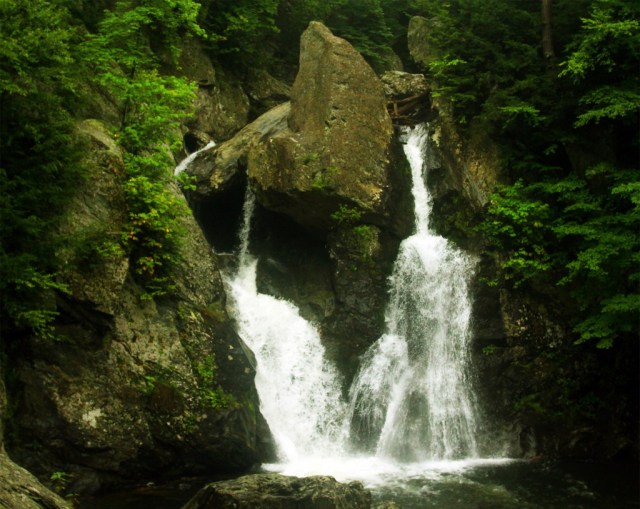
<point x="154" y="232"/>
<point x="581" y="233"/>
<point x="484" y="56"/>
<point x="518" y="225"/>
<point x="60" y="484"/>
<point x="240" y="28"/>
<point x="149" y="384"/>
<point x="605" y="56"/>
<point x="136" y="33"/>
<point x="574" y="227"/>
<point x="346" y="215"/>
<point x="38" y="157"/>
<point x="324" y="178"/>
<point x="151" y="109"/>
<point x="210" y="392"/>
<point x="364" y="240"/>
<point x="45" y="59"/>
<point x="489" y="350"/>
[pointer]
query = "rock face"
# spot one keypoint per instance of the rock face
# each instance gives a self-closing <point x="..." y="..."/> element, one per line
<point x="222" y="107"/>
<point x="337" y="171"/>
<point x="274" y="491"/>
<point x="136" y="388"/>
<point x="21" y="490"/>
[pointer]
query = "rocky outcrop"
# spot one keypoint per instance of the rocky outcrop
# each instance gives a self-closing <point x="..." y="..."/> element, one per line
<point x="338" y="172"/>
<point x="337" y="148"/>
<point x="222" y="168"/>
<point x="135" y="388"/>
<point x="275" y="491"/>
<point x="21" y="490"/>
<point x="408" y="97"/>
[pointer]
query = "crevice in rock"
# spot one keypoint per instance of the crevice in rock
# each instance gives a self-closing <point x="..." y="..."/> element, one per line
<point x="220" y="216"/>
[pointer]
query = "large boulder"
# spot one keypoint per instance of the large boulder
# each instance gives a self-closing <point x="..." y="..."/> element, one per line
<point x="275" y="491"/>
<point x="338" y="172"/>
<point x="222" y="168"/>
<point x="135" y="388"/>
<point x="336" y="151"/>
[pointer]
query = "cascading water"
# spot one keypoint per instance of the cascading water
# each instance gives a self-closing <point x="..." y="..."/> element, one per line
<point x="412" y="390"/>
<point x="187" y="160"/>
<point x="411" y="395"/>
<point x="300" y="393"/>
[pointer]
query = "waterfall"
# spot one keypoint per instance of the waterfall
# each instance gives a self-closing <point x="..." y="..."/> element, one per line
<point x="411" y="398"/>
<point x="412" y="391"/>
<point x="300" y="392"/>
<point x="187" y="160"/>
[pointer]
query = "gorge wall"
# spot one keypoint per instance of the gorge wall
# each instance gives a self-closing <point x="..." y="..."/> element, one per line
<point x="135" y="388"/>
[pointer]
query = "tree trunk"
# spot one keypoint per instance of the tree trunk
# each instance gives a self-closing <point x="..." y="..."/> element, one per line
<point x="547" y="36"/>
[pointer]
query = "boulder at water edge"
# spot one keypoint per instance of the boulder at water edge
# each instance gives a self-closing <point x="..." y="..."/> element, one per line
<point x="275" y="491"/>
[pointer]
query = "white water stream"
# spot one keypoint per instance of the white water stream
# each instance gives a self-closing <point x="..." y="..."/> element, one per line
<point x="187" y="160"/>
<point x="412" y="389"/>
<point x="411" y="398"/>
<point x="300" y="393"/>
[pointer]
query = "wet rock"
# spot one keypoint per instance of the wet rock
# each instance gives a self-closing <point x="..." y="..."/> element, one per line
<point x="222" y="168"/>
<point x="275" y="491"/>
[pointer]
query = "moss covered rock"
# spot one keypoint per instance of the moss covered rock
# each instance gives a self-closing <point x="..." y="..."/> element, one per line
<point x="275" y="491"/>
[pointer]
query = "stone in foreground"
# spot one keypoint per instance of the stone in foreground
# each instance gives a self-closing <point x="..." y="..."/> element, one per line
<point x="275" y="491"/>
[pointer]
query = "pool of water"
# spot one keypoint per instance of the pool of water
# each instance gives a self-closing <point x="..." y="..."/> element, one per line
<point x="476" y="484"/>
<point x="519" y="485"/>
